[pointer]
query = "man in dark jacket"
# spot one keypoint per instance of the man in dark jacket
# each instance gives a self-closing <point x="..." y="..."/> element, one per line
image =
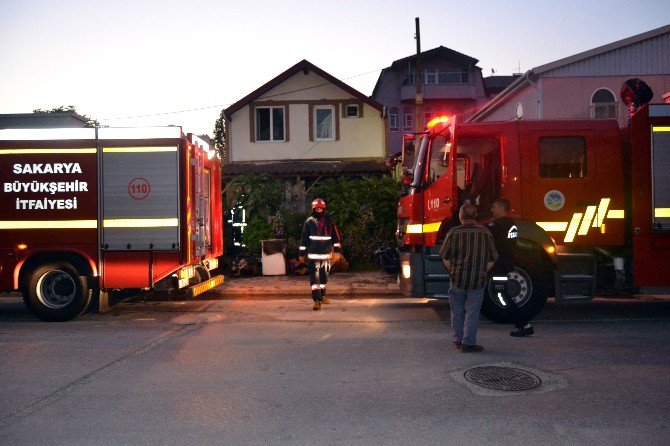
<point x="319" y="239"/>
<point x="504" y="235"/>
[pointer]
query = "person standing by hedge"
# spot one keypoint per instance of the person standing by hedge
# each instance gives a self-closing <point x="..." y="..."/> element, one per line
<point x="319" y="238"/>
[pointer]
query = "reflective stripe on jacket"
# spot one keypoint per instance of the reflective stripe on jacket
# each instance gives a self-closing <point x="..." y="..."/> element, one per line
<point x="319" y="237"/>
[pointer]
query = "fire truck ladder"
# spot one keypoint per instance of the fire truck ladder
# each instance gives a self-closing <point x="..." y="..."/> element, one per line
<point x="575" y="277"/>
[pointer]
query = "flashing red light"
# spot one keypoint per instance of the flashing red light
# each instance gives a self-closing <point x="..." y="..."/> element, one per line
<point x="21" y="246"/>
<point x="438" y="120"/>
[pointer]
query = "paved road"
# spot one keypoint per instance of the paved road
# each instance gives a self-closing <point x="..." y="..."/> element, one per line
<point x="363" y="371"/>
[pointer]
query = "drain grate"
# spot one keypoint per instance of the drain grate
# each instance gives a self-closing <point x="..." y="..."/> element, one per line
<point x="502" y="378"/>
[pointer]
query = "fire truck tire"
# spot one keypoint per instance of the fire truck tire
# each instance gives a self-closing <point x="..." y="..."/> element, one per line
<point x="201" y="275"/>
<point x="55" y="292"/>
<point x="529" y="288"/>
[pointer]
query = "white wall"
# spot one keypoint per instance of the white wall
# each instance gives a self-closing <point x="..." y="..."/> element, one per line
<point x="358" y="137"/>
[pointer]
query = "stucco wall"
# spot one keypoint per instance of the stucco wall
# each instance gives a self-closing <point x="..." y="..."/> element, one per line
<point x="358" y="137"/>
<point x="527" y="97"/>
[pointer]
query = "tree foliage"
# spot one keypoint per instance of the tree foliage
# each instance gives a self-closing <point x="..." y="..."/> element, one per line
<point x="90" y="122"/>
<point x="260" y="195"/>
<point x="364" y="209"/>
<point x="220" y="137"/>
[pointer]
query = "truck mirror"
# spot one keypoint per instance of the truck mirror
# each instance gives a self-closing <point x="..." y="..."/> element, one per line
<point x="392" y="160"/>
<point x="407" y="176"/>
<point x="408" y="153"/>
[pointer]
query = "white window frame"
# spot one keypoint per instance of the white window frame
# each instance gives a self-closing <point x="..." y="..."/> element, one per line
<point x="316" y="122"/>
<point x="430" y="76"/>
<point x="411" y="77"/>
<point x="595" y="106"/>
<point x="346" y="111"/>
<point x="271" y="108"/>
<point x="393" y="121"/>
<point x="408" y="121"/>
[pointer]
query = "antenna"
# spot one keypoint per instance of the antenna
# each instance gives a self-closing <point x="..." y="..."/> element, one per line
<point x="518" y="69"/>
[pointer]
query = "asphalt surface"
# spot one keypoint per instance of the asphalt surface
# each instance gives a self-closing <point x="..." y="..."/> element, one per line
<point x="252" y="369"/>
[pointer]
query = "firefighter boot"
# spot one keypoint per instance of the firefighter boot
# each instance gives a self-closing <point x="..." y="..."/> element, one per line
<point x="324" y="299"/>
<point x="316" y="297"/>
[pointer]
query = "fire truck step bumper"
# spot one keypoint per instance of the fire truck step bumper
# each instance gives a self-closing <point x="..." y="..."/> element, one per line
<point x="207" y="285"/>
<point x="575" y="278"/>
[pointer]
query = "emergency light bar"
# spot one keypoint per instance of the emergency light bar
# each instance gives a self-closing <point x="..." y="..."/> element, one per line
<point x="47" y="134"/>
<point x="139" y="132"/>
<point x="439" y="120"/>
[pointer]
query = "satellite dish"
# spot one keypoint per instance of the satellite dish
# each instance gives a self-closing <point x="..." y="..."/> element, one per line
<point x="636" y="92"/>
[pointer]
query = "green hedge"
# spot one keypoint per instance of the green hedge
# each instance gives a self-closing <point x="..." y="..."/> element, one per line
<point x="364" y="209"/>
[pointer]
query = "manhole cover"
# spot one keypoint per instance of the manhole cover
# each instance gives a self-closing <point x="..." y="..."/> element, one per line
<point x="502" y="378"/>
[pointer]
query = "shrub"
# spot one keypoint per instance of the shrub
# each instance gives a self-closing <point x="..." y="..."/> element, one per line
<point x="364" y="209"/>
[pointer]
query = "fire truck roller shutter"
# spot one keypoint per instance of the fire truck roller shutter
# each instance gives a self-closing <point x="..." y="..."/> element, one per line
<point x="531" y="280"/>
<point x="141" y="198"/>
<point x="56" y="292"/>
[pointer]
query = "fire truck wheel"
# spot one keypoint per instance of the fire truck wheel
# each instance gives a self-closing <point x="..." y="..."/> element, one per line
<point x="529" y="289"/>
<point x="56" y="292"/>
<point x="201" y="275"/>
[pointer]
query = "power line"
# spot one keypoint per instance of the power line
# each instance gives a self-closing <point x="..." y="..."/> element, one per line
<point x="148" y="115"/>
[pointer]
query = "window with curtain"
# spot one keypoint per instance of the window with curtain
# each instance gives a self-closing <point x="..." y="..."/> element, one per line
<point x="324" y="123"/>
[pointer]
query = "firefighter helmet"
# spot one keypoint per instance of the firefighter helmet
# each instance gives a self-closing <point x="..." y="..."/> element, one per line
<point x="318" y="203"/>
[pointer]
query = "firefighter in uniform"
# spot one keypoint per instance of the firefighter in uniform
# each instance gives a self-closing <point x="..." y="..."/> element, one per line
<point x="505" y="233"/>
<point x="319" y="239"/>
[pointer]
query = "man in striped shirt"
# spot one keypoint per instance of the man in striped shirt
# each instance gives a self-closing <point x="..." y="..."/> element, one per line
<point x="468" y="252"/>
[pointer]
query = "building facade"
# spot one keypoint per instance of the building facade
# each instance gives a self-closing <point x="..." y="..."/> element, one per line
<point x="451" y="83"/>
<point x="586" y="85"/>
<point x="304" y="125"/>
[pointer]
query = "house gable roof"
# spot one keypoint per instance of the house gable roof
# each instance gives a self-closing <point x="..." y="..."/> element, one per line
<point x="300" y="66"/>
<point x="602" y="49"/>
<point x="440" y="52"/>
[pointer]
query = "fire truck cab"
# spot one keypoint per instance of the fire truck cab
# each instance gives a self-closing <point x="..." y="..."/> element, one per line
<point x="590" y="202"/>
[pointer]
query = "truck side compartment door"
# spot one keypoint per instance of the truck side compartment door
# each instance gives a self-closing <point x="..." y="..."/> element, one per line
<point x="651" y="197"/>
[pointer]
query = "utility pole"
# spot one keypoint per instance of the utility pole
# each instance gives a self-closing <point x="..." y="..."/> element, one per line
<point x="418" y="80"/>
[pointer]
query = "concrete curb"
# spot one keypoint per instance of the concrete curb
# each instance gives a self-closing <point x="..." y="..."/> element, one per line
<point x="340" y="284"/>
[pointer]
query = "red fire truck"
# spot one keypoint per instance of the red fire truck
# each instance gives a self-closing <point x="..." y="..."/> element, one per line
<point x="87" y="210"/>
<point x="591" y="202"/>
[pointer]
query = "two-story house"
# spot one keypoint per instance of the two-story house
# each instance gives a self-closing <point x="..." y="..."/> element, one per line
<point x="451" y="83"/>
<point x="303" y="125"/>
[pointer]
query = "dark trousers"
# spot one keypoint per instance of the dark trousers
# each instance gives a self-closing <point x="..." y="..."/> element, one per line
<point x="318" y="277"/>
<point x="500" y="291"/>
